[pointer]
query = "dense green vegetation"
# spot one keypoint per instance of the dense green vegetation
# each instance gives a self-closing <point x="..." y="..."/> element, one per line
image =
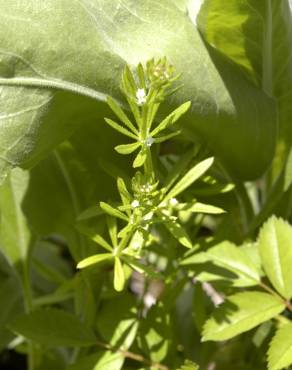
<point x="145" y="185"/>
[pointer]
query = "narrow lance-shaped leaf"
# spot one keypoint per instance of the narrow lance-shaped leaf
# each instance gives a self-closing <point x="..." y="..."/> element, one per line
<point x="280" y="351"/>
<point x="171" y="118"/>
<point x="113" y="211"/>
<point x="127" y="148"/>
<point x="190" y="177"/>
<point x="119" y="275"/>
<point x="161" y="139"/>
<point x="240" y="313"/>
<point x="93" y="260"/>
<point x="120" y="129"/>
<point x="102" y="242"/>
<point x="121" y="114"/>
<point x="275" y="245"/>
<point x="179" y="233"/>
<point x="113" y="230"/>
<point x="198" y="207"/>
<point x="140" y="159"/>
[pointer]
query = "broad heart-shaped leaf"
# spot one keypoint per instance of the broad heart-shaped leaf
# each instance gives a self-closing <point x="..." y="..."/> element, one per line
<point x="232" y="258"/>
<point x="257" y="36"/>
<point x="53" y="327"/>
<point x="45" y="94"/>
<point x="240" y="313"/>
<point x="14" y="232"/>
<point x="280" y="351"/>
<point x="275" y="244"/>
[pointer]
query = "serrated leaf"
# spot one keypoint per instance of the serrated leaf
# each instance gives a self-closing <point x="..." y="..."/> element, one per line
<point x="280" y="351"/>
<point x="127" y="148"/>
<point x="121" y="114"/>
<point x="119" y="275"/>
<point x="113" y="211"/>
<point x="53" y="327"/>
<point x="228" y="256"/>
<point x="179" y="233"/>
<point x="171" y="118"/>
<point x="275" y="245"/>
<point x="120" y="128"/>
<point x="240" y="313"/>
<point x="191" y="176"/>
<point x="92" y="260"/>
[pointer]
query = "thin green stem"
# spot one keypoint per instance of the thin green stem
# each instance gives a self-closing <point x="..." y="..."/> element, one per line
<point x="275" y="294"/>
<point x="28" y="301"/>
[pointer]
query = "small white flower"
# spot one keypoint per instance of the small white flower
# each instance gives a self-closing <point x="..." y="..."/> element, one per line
<point x="173" y="202"/>
<point x="135" y="203"/>
<point x="141" y="96"/>
<point x="149" y="141"/>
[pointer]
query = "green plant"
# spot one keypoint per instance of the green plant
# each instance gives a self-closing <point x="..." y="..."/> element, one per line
<point x="157" y="237"/>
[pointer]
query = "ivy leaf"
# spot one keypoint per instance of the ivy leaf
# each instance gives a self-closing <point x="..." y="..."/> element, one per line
<point x="53" y="327"/>
<point x="228" y="256"/>
<point x="275" y="245"/>
<point x="190" y="177"/>
<point x="92" y="260"/>
<point x="280" y="351"/>
<point x="240" y="313"/>
<point x="119" y="275"/>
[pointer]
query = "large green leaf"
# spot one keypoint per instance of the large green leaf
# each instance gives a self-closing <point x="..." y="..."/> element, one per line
<point x="257" y="36"/>
<point x="234" y="259"/>
<point x="275" y="244"/>
<point x="280" y="351"/>
<point x="53" y="327"/>
<point x="240" y="313"/>
<point x="45" y="93"/>
<point x="99" y="361"/>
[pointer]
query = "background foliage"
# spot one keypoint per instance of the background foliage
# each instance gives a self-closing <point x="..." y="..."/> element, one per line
<point x="60" y="60"/>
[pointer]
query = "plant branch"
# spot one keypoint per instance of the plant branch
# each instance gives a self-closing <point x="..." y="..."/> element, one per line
<point x="133" y="356"/>
<point x="275" y="294"/>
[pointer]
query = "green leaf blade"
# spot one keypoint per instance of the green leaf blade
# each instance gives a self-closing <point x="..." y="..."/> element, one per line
<point x="228" y="256"/>
<point x="93" y="260"/>
<point x="240" y="313"/>
<point x="275" y="245"/>
<point x="53" y="327"/>
<point x="280" y="351"/>
<point x="119" y="275"/>
<point x="191" y="176"/>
